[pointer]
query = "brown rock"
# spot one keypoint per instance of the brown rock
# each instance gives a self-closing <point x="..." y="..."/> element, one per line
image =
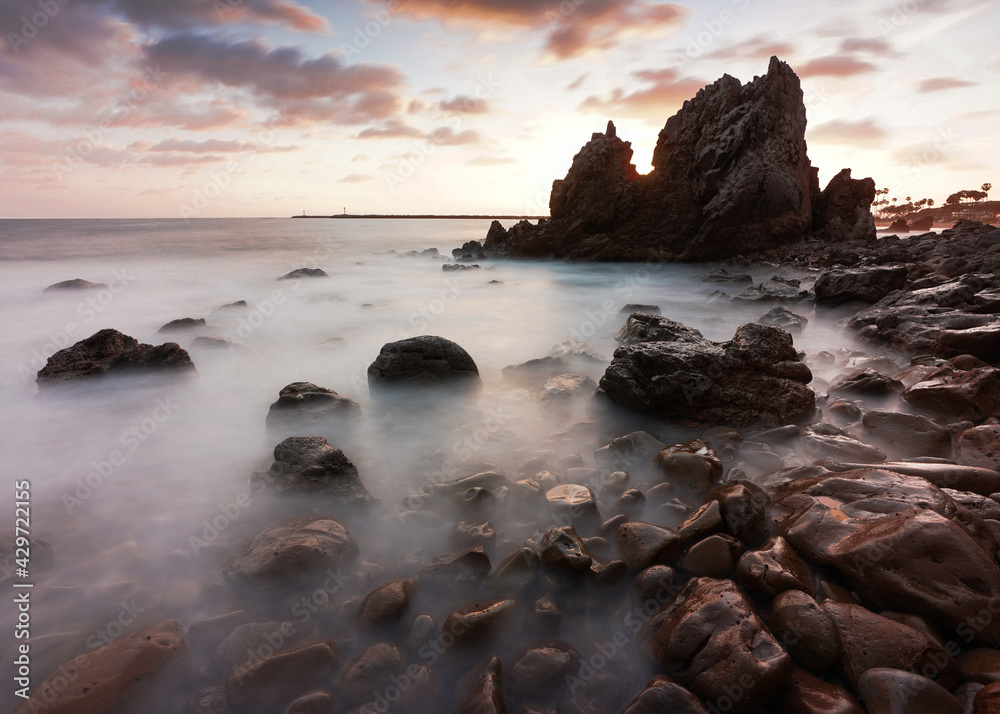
<point x="987" y="700"/>
<point x="664" y="695"/>
<point x="705" y="521"/>
<point x="710" y="639"/>
<point x="127" y="674"/>
<point x="712" y="557"/>
<point x="564" y="551"/>
<point x="469" y="566"/>
<point x="574" y="504"/>
<point x="973" y="394"/>
<point x="865" y="383"/>
<point x="304" y="405"/>
<point x="371" y="672"/>
<point x="979" y="446"/>
<point x="869" y="284"/>
<point x="868" y="640"/>
<point x="292" y="554"/>
<point x="742" y="505"/>
<point x="692" y="468"/>
<point x="540" y="670"/>
<point x="317" y="702"/>
<point x="473" y="624"/>
<point x="482" y="690"/>
<point x="906" y="436"/>
<point x="644" y="544"/>
<point x="517" y="570"/>
<point x="385" y="604"/>
<point x="811" y="694"/>
<point x="275" y="680"/>
<point x="980" y="664"/>
<point x="894" y="691"/>
<point x="805" y="629"/>
<point x="773" y="568"/>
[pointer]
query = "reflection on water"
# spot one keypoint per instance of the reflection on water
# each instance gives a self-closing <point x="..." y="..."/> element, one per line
<point x="143" y="488"/>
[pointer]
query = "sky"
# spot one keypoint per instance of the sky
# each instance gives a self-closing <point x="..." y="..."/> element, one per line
<point x="208" y="108"/>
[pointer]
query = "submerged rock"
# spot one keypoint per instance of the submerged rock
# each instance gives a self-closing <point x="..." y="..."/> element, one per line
<point x="184" y="323"/>
<point x="309" y="466"/>
<point x="75" y="284"/>
<point x="111" y="352"/>
<point x="785" y="319"/>
<point x="303" y="405"/>
<point x="304" y="273"/>
<point x="755" y="378"/>
<point x="292" y="554"/>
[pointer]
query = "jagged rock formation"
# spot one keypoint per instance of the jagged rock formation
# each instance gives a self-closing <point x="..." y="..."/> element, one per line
<point x="730" y="176"/>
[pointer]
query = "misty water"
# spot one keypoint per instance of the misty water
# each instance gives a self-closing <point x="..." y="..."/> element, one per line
<point x="138" y="534"/>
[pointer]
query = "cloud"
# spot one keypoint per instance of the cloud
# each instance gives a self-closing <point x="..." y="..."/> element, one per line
<point x="864" y="133"/>
<point x="188" y="14"/>
<point x="578" y="82"/>
<point x="870" y="45"/>
<point x="392" y="129"/>
<point x="666" y="93"/>
<point x="464" y="105"/>
<point x="940" y="84"/>
<point x="446" y="136"/>
<point x="835" y="66"/>
<point x="759" y="47"/>
<point x="322" y="88"/>
<point x="358" y="178"/>
<point x="573" y="26"/>
<point x="491" y="161"/>
<point x="214" y="145"/>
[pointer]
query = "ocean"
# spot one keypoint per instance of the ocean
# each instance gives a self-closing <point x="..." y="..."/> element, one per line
<point x="134" y="484"/>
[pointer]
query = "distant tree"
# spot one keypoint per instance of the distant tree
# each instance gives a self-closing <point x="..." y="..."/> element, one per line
<point x="966" y="194"/>
<point x="930" y="202"/>
<point x="986" y="188"/>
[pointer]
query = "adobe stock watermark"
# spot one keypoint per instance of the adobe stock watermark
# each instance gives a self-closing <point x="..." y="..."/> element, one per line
<point x="132" y="439"/>
<point x="35" y="23"/>
<point x="87" y="310"/>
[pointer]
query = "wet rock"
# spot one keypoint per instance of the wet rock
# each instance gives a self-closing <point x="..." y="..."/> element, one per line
<point x="664" y="695"/>
<point x="811" y="694"/>
<point x="987" y="699"/>
<point x="473" y="624"/>
<point x="452" y="267"/>
<point x="208" y="342"/>
<point x="308" y="465"/>
<point x="842" y="211"/>
<point x="869" y="284"/>
<point x="785" y="319"/>
<point x="755" y="378"/>
<point x="371" y="672"/>
<point x="712" y="557"/>
<point x="209" y="700"/>
<point x="775" y="289"/>
<point x="244" y="643"/>
<point x="575" y="504"/>
<point x="614" y="486"/>
<point x="906" y="435"/>
<point x="868" y="640"/>
<point x="895" y="691"/>
<point x="742" y="505"/>
<point x="127" y="674"/>
<point x="772" y="568"/>
<point x="304" y="406"/>
<point x="843" y="412"/>
<point x="972" y="394"/>
<point x="642" y="545"/>
<point x="979" y="446"/>
<point x="631" y="504"/>
<point x="981" y="664"/>
<point x="273" y="681"/>
<point x="944" y="475"/>
<point x="184" y="323"/>
<point x="637" y="451"/>
<point x="704" y="521"/>
<point x="292" y="554"/>
<point x="385" y="605"/>
<point x="710" y="639"/>
<point x="424" y="361"/>
<point x="897" y="540"/>
<point x="564" y="551"/>
<point x="482" y="690"/>
<point x="470" y="566"/>
<point x="537" y="372"/>
<point x="517" y="570"/>
<point x="866" y="383"/>
<point x="75" y="284"/>
<point x="721" y="275"/>
<point x="692" y="467"/>
<point x="824" y="441"/>
<point x="655" y="584"/>
<point x="316" y="702"/>
<point x="647" y="327"/>
<point x="805" y="629"/>
<point x="539" y="670"/>
<point x="566" y="387"/>
<point x="110" y="352"/>
<point x="304" y="273"/>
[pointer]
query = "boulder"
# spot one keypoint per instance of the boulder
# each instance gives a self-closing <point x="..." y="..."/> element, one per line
<point x="710" y="639"/>
<point x="664" y="695"/>
<point x="481" y="691"/>
<point x="808" y="693"/>
<point x="773" y="568"/>
<point x="565" y="388"/>
<point x="979" y="446"/>
<point x="276" y="680"/>
<point x="127" y="674"/>
<point x="730" y="176"/>
<point x="899" y="226"/>
<point x="184" y="323"/>
<point x="384" y="605"/>
<point x="862" y="284"/>
<point x="303" y="405"/>
<point x="292" y="554"/>
<point x="775" y="289"/>
<point x="906" y="435"/>
<point x="886" y="690"/>
<point x="970" y="394"/>
<point x="642" y="545"/>
<point x="900" y="542"/>
<point x="647" y="327"/>
<point x="110" y="352"/>
<point x="754" y="379"/>
<point x="424" y="361"/>
<point x="299" y="273"/>
<point x="785" y="319"/>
